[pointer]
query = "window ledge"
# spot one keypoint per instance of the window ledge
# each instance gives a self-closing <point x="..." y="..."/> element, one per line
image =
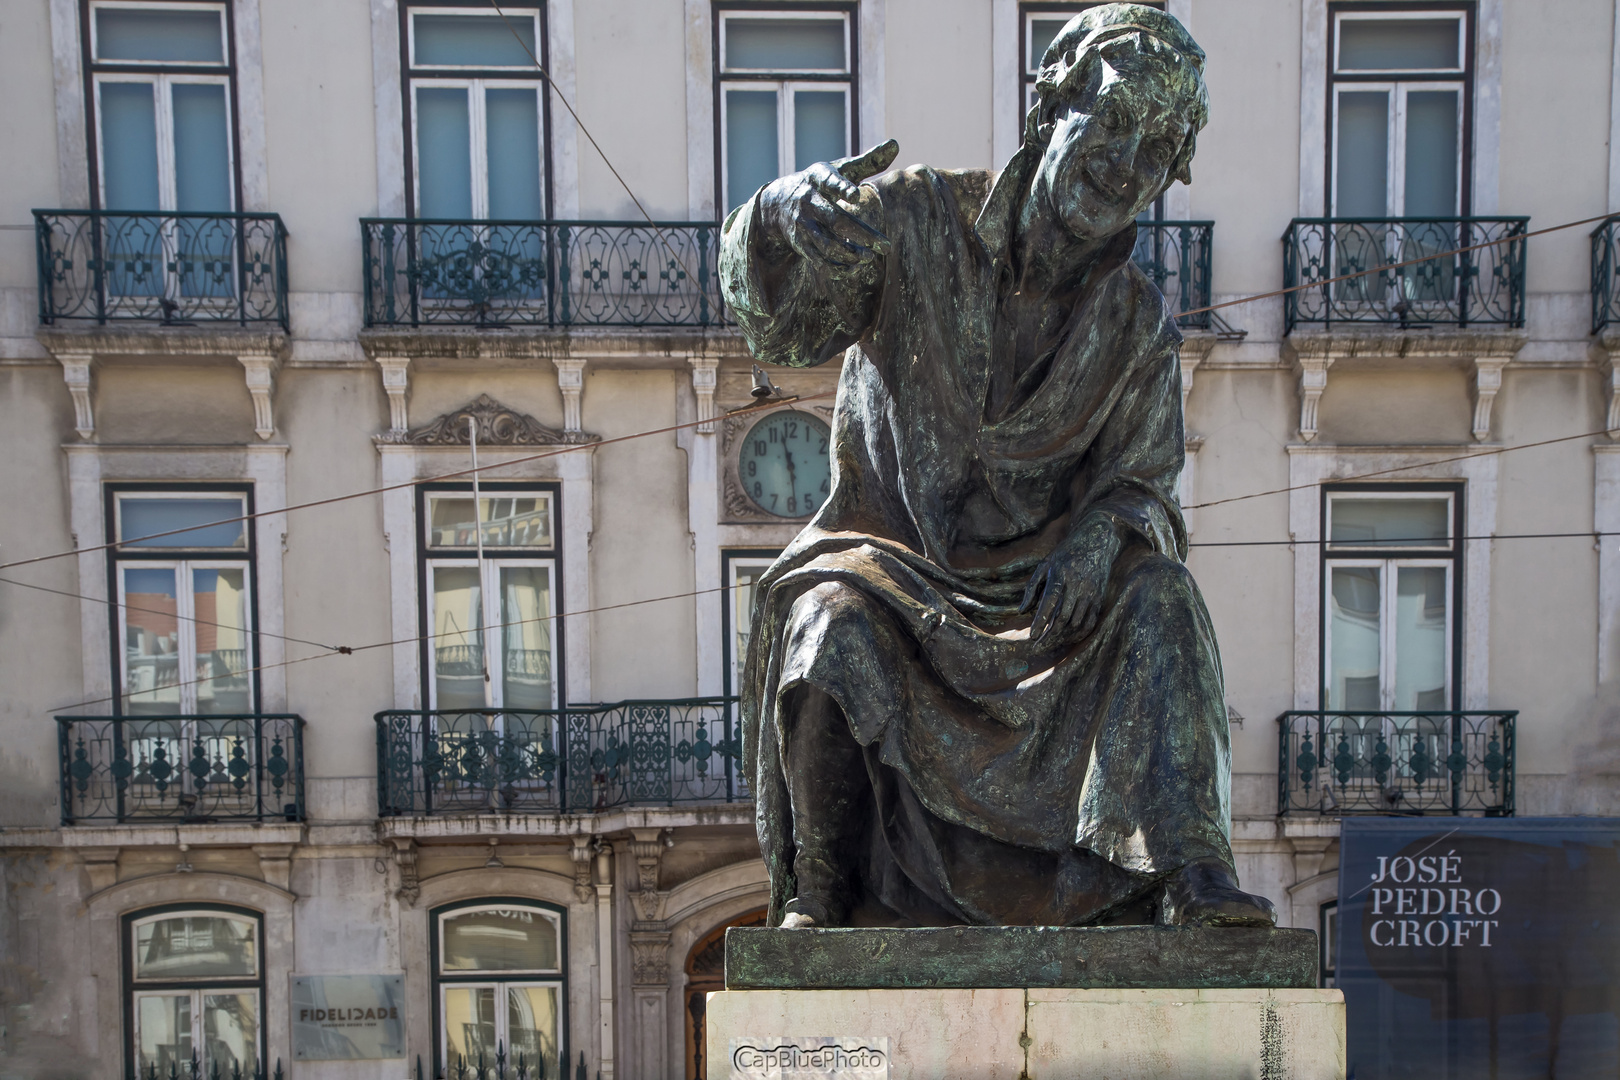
<point x="462" y="826"/>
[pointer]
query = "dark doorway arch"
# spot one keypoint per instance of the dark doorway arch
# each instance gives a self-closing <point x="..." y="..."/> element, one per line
<point x="706" y="972"/>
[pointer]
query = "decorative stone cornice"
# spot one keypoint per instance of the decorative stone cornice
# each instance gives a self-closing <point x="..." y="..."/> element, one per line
<point x="518" y="345"/>
<point x="497" y="426"/>
<point x="80" y="350"/>
<point x="1482" y="352"/>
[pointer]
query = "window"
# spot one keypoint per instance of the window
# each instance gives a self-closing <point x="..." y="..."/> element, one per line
<point x="786" y="86"/>
<point x="1392" y="574"/>
<point x="160" y="86"/>
<point x="476" y="111"/>
<point x="495" y="619"/>
<point x="740" y="570"/>
<point x="1399" y="95"/>
<point x="196" y="987"/>
<point x="182" y="570"/>
<point x="1328" y="943"/>
<point x="498" y="983"/>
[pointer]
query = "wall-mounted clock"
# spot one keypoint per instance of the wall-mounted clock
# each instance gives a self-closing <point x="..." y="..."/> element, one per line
<point x="784" y="466"/>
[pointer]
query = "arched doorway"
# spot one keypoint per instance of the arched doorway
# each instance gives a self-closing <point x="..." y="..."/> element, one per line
<point x="705" y="972"/>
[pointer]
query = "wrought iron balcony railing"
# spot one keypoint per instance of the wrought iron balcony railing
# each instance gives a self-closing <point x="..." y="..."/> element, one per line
<point x="1606" y="275"/>
<point x="227" y="767"/>
<point x="175" y="269"/>
<point x="1396" y="762"/>
<point x="567" y="761"/>
<point x="541" y="273"/>
<point x="1471" y="288"/>
<point x="1175" y="255"/>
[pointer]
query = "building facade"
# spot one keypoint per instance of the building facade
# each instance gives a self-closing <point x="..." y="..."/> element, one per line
<point x="272" y="272"/>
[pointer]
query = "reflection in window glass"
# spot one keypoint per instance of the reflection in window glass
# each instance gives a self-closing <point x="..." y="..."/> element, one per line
<point x="151" y="640"/>
<point x="443" y="141"/>
<point x="509" y="521"/>
<point x="1431" y="153"/>
<point x="474" y="41"/>
<point x="1354" y="665"/>
<point x="1362" y="157"/>
<point x="202" y="171"/>
<point x="219" y="598"/>
<point x="196" y="946"/>
<point x="1041" y="33"/>
<point x="458" y="639"/>
<point x="818" y="127"/>
<point x="533" y="1025"/>
<point x="526" y="630"/>
<point x="469" y="1023"/>
<point x="140" y="517"/>
<point x="231" y="1031"/>
<point x="752" y="147"/>
<point x="129" y="163"/>
<point x="1399" y="44"/>
<point x="785" y="44"/>
<point x="1391" y="522"/>
<point x="160" y="36"/>
<point x="499" y="939"/>
<point x="1420" y="638"/>
<point x="162" y="1033"/>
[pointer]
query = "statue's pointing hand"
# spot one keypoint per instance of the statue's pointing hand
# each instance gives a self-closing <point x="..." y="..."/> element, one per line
<point x="822" y="215"/>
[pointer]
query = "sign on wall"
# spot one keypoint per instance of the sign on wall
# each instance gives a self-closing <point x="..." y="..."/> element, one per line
<point x="348" y="1017"/>
<point x="819" y="1057"/>
<point x="1474" y="947"/>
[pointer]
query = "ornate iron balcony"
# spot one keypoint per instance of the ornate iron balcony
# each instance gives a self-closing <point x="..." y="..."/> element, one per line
<point x="541" y="273"/>
<point x="1606" y="275"/>
<point x="1175" y="255"/>
<point x="1483" y="287"/>
<point x="191" y="768"/>
<point x="1396" y="762"/>
<point x="175" y="269"/>
<point x="570" y="761"/>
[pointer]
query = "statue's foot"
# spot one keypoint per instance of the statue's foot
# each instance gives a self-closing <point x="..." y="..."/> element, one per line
<point x="1205" y="893"/>
<point x="803" y="912"/>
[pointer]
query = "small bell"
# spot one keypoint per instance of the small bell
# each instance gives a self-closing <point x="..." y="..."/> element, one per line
<point x="762" y="384"/>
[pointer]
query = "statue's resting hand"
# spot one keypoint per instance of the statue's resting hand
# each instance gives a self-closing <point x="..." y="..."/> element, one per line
<point x="818" y="212"/>
<point x="1071" y="584"/>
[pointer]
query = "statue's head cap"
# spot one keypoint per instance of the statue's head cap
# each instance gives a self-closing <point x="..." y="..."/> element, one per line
<point x="1157" y="34"/>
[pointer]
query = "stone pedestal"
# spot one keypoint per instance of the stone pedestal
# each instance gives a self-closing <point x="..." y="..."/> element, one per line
<point x="1024" y="1003"/>
<point x="1039" y="1034"/>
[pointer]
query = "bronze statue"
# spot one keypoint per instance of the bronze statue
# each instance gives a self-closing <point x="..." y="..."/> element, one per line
<point x="982" y="688"/>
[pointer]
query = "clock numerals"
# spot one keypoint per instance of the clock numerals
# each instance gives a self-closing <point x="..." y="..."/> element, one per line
<point x="784" y="466"/>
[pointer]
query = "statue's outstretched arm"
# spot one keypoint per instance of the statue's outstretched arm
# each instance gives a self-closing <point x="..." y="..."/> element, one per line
<point x="802" y="262"/>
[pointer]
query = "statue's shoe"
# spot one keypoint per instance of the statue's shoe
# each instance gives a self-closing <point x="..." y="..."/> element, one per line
<point x="805" y="911"/>
<point x="1205" y="893"/>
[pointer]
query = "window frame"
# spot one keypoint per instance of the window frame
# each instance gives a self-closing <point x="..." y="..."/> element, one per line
<point x="731" y="561"/>
<point x="1399" y="82"/>
<point x="411" y="75"/>
<point x="163" y="75"/>
<point x="182" y="559"/>
<point x="133" y="988"/>
<point x="556" y="914"/>
<point x="784" y="81"/>
<point x="1327" y="923"/>
<point x="428" y="556"/>
<point x="1451" y="555"/>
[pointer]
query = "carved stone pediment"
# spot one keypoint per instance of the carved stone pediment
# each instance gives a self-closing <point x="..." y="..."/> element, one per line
<point x="497" y="426"/>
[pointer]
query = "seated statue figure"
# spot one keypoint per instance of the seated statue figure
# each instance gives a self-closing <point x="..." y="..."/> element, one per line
<point x="981" y="687"/>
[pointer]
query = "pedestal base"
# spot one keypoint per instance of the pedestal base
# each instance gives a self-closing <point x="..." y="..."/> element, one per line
<point x="1035" y="1034"/>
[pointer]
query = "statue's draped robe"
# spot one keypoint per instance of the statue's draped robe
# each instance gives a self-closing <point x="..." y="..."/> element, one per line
<point x="1013" y="782"/>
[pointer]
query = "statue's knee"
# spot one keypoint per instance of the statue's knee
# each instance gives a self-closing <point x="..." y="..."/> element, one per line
<point x="1158" y="582"/>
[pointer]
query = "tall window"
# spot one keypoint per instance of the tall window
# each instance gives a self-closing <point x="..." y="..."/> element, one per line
<point x="742" y="570"/>
<point x="161" y="93"/>
<point x="182" y="570"/>
<point x="195" y="987"/>
<point x="496" y="619"/>
<point x="1400" y="89"/>
<point x="498" y="980"/>
<point x="476" y="110"/>
<point x="1392" y="575"/>
<point x="786" y="83"/>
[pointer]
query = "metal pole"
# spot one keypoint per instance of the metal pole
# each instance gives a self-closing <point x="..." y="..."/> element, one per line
<point x="478" y="531"/>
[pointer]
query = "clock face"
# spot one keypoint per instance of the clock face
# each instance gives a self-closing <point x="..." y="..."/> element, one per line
<point x="785" y="466"/>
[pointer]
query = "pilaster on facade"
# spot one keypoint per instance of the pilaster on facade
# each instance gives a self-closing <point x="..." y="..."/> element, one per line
<point x="1481" y="353"/>
<point x="1195" y="349"/>
<point x="396" y="383"/>
<point x="705" y="377"/>
<point x="83" y="351"/>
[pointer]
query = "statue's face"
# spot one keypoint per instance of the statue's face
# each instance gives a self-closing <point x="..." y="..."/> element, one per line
<point x="1111" y="153"/>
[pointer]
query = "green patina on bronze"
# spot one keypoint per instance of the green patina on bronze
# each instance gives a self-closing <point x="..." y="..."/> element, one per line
<point x="981" y="686"/>
<point x="1114" y="957"/>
